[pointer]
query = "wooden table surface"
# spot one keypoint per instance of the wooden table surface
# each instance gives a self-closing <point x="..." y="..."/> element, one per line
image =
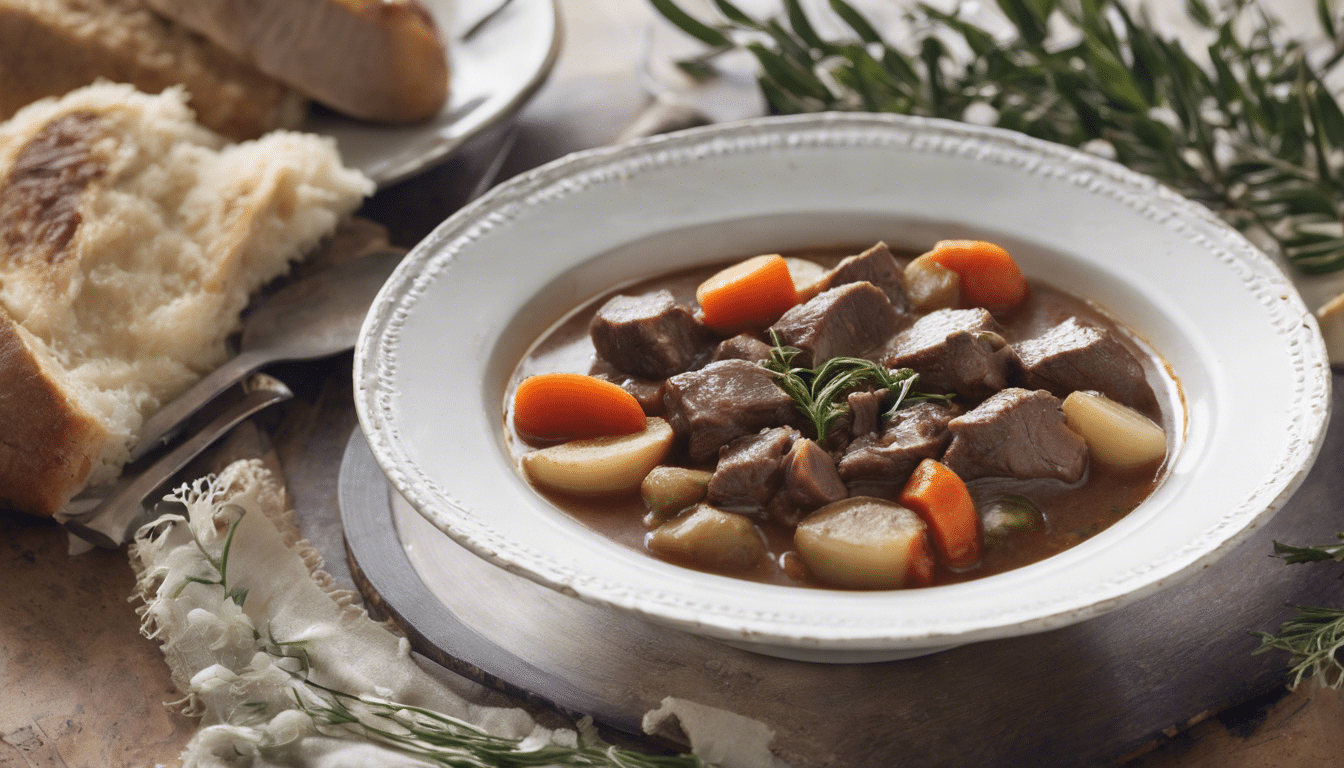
<point x="81" y="687"/>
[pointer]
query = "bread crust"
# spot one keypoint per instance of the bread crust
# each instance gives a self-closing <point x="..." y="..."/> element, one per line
<point x="51" y="47"/>
<point x="48" y="443"/>
<point x="379" y="60"/>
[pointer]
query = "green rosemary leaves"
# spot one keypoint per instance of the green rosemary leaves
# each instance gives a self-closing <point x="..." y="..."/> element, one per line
<point x="819" y="392"/>
<point x="1245" y="125"/>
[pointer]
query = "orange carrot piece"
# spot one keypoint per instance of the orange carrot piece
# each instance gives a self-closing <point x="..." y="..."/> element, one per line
<point x="751" y="294"/>
<point x="571" y="406"/>
<point x="921" y="563"/>
<point x="989" y="276"/>
<point x="936" y="494"/>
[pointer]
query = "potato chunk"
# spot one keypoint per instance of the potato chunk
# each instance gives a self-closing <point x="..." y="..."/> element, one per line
<point x="806" y="276"/>
<point x="669" y="490"/>
<point x="601" y="465"/>
<point x="710" y="539"/>
<point x="866" y="543"/>
<point x="1116" y="435"/>
<point x="931" y="285"/>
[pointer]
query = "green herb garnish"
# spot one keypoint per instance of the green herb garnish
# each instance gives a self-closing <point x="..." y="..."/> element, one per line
<point x="817" y="392"/>
<point x="436" y="738"/>
<point x="444" y="740"/>
<point x="1293" y="555"/>
<point x="221" y="563"/>
<point x="1253" y="133"/>
<point x="1315" y="636"/>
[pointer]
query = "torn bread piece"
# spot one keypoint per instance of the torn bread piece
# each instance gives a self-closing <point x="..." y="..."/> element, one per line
<point x="51" y="47"/>
<point x="130" y="241"/>
<point x="379" y="60"/>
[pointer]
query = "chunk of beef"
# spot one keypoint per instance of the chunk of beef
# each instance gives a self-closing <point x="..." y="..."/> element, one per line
<point x="775" y="473"/>
<point x="845" y="321"/>
<point x="810" y="481"/>
<point x="647" y="392"/>
<point x="1078" y="356"/>
<point x="1016" y="433"/>
<point x="955" y="350"/>
<point x="877" y="266"/>
<point x="865" y="409"/>
<point x="743" y="346"/>
<point x="750" y="470"/>
<point x="650" y="336"/>
<point x="912" y="435"/>
<point x="724" y="400"/>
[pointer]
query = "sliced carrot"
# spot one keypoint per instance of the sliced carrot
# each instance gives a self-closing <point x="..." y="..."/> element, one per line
<point x="921" y="563"/>
<point x="989" y="276"/>
<point x="571" y="406"/>
<point x="936" y="494"/>
<point x="751" y="294"/>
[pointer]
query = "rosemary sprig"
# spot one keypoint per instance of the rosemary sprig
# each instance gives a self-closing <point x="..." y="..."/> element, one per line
<point x="220" y="564"/>
<point x="816" y="392"/>
<point x="1254" y="133"/>
<point x="432" y="736"/>
<point x="1315" y="638"/>
<point x="1293" y="555"/>
<point x="445" y="740"/>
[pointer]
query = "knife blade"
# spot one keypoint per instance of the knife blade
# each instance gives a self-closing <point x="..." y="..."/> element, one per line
<point x="122" y="511"/>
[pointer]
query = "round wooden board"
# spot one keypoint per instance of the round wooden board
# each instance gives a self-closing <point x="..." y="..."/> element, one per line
<point x="1086" y="694"/>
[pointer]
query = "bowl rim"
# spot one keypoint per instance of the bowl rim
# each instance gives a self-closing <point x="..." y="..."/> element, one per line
<point x="376" y="355"/>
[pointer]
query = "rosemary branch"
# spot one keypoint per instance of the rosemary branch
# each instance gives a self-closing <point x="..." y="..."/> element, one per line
<point x="432" y="736"/>
<point x="817" y="392"/>
<point x="1315" y="638"/>
<point x="220" y="564"/>
<point x="1253" y="133"/>
<point x="445" y="740"/>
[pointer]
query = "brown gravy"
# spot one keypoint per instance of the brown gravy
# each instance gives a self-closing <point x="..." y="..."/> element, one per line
<point x="1072" y="512"/>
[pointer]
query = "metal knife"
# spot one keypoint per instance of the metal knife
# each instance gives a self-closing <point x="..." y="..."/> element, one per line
<point x="123" y="510"/>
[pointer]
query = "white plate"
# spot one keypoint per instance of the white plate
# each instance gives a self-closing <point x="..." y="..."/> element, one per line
<point x="493" y="74"/>
<point x="447" y="330"/>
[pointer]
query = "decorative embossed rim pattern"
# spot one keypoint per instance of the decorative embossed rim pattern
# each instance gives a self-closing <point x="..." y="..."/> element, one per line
<point x="447" y="327"/>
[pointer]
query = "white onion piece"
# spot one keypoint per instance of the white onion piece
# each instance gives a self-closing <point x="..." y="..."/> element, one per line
<point x="601" y="464"/>
<point x="865" y="543"/>
<point x="1116" y="435"/>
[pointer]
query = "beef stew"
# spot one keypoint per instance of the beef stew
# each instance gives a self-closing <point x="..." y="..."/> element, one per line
<point x="761" y="476"/>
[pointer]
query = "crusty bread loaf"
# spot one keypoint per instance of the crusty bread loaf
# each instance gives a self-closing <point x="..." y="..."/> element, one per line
<point x="379" y="60"/>
<point x="51" y="47"/>
<point x="130" y="240"/>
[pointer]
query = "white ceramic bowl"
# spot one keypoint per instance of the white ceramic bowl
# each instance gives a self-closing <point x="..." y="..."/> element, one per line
<point x="446" y="332"/>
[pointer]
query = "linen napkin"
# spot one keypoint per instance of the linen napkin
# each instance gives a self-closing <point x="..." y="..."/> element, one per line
<point x="286" y="670"/>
